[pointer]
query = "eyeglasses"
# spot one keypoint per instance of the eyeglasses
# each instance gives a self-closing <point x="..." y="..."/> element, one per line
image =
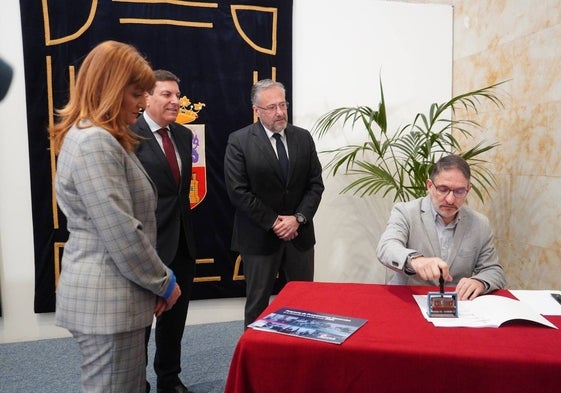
<point x="273" y="107"/>
<point x="444" y="191"/>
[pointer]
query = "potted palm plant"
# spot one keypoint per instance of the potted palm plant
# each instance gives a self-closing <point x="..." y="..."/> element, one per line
<point x="398" y="164"/>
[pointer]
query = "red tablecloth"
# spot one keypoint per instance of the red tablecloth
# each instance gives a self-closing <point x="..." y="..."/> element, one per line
<point x="397" y="350"/>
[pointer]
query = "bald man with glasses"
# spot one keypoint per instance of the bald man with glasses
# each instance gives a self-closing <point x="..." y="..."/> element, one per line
<point x="437" y="234"/>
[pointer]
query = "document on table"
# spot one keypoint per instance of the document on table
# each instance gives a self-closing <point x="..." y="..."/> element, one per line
<point x="309" y="324"/>
<point x="485" y="311"/>
<point x="541" y="300"/>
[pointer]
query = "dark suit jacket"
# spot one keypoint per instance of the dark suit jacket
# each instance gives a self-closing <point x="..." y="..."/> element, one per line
<point x="256" y="188"/>
<point x="173" y="204"/>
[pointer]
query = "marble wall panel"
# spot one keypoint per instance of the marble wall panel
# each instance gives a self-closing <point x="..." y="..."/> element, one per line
<point x="484" y="69"/>
<point x="482" y="24"/>
<point x="530" y="267"/>
<point x="517" y="41"/>
<point x="537" y="66"/>
<point x="536" y="216"/>
<point x="497" y="207"/>
<point x="552" y="166"/>
<point x="525" y="140"/>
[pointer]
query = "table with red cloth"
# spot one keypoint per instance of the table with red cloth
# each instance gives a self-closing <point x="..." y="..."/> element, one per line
<point x="397" y="350"/>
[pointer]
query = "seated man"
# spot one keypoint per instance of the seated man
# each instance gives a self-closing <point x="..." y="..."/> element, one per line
<point x="437" y="235"/>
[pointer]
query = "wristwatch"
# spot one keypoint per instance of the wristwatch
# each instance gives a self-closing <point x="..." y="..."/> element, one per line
<point x="413" y="255"/>
<point x="300" y="218"/>
<point x="408" y="268"/>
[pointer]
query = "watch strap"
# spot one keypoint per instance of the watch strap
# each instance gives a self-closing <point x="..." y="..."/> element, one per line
<point x="408" y="268"/>
<point x="300" y="218"/>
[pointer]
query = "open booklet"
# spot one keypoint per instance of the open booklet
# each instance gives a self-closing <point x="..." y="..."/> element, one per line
<point x="485" y="311"/>
<point x="308" y="324"/>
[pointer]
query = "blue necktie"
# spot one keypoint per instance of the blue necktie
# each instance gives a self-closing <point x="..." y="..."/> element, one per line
<point x="283" y="158"/>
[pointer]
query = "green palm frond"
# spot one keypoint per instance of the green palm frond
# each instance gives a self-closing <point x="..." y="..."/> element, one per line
<point x="398" y="164"/>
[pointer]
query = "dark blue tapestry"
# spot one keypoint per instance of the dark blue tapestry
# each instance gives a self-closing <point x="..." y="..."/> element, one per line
<point x="218" y="50"/>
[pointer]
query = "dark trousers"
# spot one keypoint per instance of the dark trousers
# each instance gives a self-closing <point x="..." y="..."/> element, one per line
<point x="171" y="324"/>
<point x="260" y="273"/>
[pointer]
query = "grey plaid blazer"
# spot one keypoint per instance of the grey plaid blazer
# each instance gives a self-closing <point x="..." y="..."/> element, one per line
<point x="110" y="272"/>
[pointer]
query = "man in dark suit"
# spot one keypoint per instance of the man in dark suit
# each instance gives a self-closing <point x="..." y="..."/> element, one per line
<point x="163" y="141"/>
<point x="273" y="228"/>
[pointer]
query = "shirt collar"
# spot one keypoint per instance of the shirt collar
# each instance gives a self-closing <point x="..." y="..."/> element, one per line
<point x="271" y="133"/>
<point x="154" y="127"/>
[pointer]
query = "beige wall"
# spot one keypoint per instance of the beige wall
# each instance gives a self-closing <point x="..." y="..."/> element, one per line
<point x="518" y="41"/>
